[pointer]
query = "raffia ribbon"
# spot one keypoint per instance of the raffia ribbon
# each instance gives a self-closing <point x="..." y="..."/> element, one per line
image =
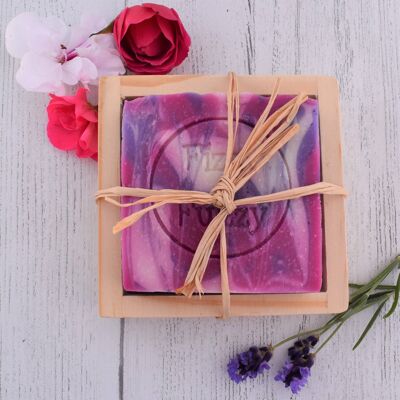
<point x="270" y="133"/>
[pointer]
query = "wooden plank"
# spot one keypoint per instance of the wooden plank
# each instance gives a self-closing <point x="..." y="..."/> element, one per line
<point x="334" y="206"/>
<point x="110" y="281"/>
<point x="143" y="85"/>
<point x="53" y="345"/>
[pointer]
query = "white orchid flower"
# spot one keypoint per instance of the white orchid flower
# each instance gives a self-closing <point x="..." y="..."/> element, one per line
<point x="54" y="57"/>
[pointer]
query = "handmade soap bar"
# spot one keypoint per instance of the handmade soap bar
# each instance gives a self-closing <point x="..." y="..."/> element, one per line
<point x="178" y="142"/>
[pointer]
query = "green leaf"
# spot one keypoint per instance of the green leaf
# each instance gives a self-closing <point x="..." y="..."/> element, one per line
<point x="379" y="287"/>
<point x="371" y="285"/>
<point x="329" y="337"/>
<point x="395" y="300"/>
<point x="382" y="294"/>
<point x="364" y="302"/>
<point x="108" y="29"/>
<point x="370" y="324"/>
<point x="364" y="296"/>
<point x="374" y="299"/>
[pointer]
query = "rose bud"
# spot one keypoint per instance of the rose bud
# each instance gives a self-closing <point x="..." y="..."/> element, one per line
<point x="72" y="124"/>
<point x="151" y="38"/>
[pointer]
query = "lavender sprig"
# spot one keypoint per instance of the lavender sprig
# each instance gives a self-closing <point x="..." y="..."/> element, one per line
<point x="297" y="369"/>
<point x="249" y="363"/>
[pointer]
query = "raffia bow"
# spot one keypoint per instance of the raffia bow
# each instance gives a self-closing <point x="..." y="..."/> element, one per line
<point x="270" y="133"/>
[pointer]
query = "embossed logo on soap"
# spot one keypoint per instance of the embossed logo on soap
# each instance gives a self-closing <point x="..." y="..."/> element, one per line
<point x="240" y="218"/>
<point x="193" y="158"/>
<point x="208" y="160"/>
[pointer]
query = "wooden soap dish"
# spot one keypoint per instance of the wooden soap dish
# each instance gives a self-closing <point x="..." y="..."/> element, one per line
<point x="115" y="303"/>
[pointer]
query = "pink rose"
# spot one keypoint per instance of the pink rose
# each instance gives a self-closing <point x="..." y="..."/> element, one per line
<point x="73" y="124"/>
<point x="151" y="38"/>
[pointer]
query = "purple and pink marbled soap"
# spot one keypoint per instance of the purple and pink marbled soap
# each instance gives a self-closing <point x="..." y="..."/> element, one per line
<point x="178" y="142"/>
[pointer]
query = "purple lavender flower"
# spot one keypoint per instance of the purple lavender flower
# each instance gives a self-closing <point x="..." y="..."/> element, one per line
<point x="293" y="376"/>
<point x="249" y="363"/>
<point x="297" y="369"/>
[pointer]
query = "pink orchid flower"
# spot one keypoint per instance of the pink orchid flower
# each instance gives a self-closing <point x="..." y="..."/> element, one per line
<point x="55" y="57"/>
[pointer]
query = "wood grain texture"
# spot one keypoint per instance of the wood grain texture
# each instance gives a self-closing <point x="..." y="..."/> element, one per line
<point x="52" y="343"/>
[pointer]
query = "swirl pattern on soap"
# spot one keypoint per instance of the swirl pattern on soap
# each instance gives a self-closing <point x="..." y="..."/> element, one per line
<point x="178" y="141"/>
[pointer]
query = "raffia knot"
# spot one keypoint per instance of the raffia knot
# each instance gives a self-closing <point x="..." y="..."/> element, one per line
<point x="224" y="194"/>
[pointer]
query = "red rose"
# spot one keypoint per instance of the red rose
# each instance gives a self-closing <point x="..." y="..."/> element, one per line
<point x="73" y="124"/>
<point x="151" y="38"/>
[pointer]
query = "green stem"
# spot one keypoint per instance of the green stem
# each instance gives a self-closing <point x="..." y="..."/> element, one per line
<point x="371" y="322"/>
<point x="319" y="330"/>
<point x="371" y="285"/>
<point x="329" y="337"/>
<point x="363" y="297"/>
<point x="357" y="308"/>
<point x="337" y="319"/>
<point x="395" y="300"/>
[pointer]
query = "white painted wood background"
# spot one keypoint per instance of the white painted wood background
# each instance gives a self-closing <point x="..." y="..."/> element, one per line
<point x="54" y="345"/>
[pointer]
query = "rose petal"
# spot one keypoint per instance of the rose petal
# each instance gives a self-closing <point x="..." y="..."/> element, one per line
<point x="158" y="50"/>
<point x="159" y="60"/>
<point x="82" y="108"/>
<point x="162" y="58"/>
<point x="164" y="11"/>
<point x="58" y="101"/>
<point x="148" y="69"/>
<point x="55" y="109"/>
<point x="83" y="153"/>
<point x="182" y="52"/>
<point x="88" y="140"/>
<point x="136" y="14"/>
<point x="62" y="139"/>
<point x="127" y="17"/>
<point x="168" y="50"/>
<point x="158" y="47"/>
<point x="145" y="33"/>
<point x="68" y="122"/>
<point x="184" y="35"/>
<point x="39" y="73"/>
<point x="118" y="28"/>
<point x="169" y="54"/>
<point x="168" y="29"/>
<point x="127" y="43"/>
<point x="182" y="42"/>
